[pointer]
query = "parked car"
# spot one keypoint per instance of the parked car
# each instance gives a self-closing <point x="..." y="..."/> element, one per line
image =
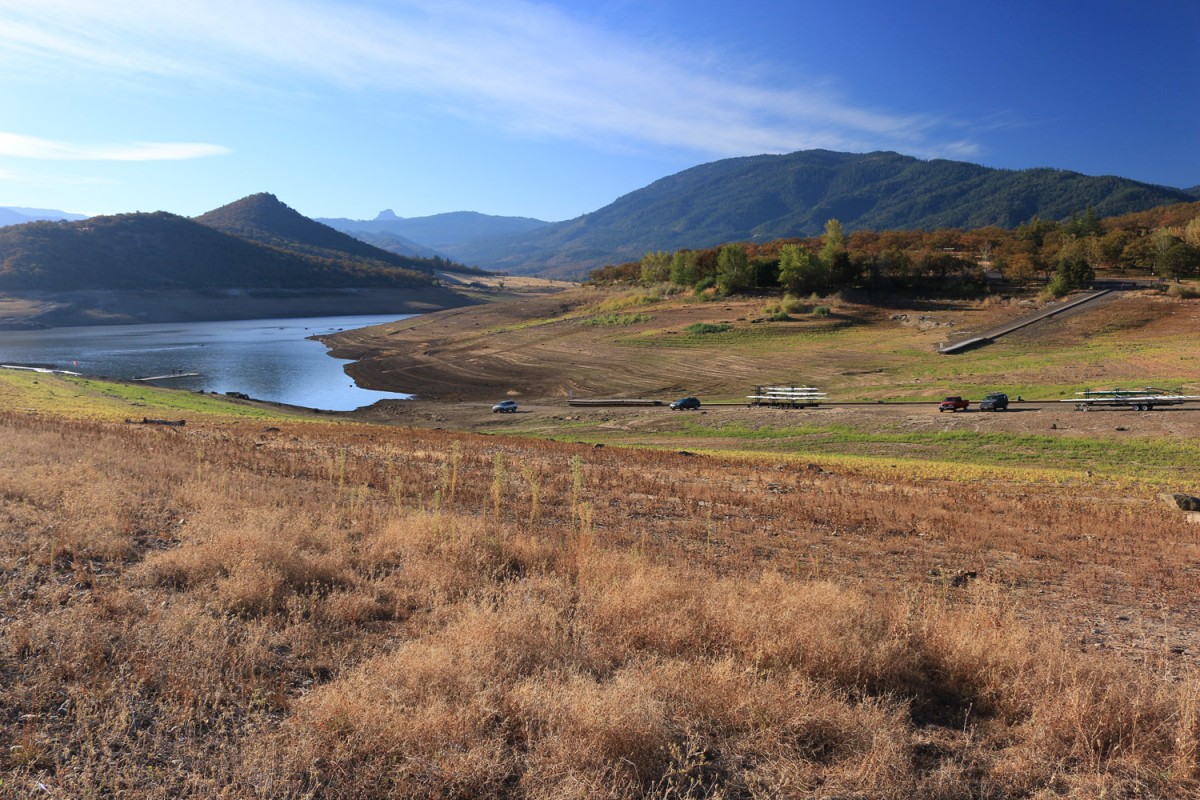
<point x="954" y="403"/>
<point x="505" y="407"/>
<point x="684" y="403"/>
<point x="994" y="401"/>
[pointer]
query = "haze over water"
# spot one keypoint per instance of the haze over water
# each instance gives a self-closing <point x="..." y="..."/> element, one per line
<point x="267" y="359"/>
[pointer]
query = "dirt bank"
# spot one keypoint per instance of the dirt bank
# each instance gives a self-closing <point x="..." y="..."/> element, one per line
<point x="59" y="309"/>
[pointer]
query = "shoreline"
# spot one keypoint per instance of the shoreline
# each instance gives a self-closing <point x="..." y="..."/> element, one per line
<point x="44" y="310"/>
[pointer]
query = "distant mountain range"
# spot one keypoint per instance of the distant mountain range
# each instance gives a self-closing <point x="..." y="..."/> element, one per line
<point x="758" y="198"/>
<point x="15" y="215"/>
<point x="437" y="234"/>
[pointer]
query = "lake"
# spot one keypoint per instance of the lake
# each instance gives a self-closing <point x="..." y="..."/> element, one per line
<point x="267" y="359"/>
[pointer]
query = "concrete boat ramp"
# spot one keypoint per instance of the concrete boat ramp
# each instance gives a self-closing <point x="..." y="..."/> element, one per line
<point x="1025" y="321"/>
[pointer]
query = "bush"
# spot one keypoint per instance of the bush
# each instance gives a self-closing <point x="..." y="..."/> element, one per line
<point x="708" y="327"/>
<point x="781" y="310"/>
<point x="706" y="288"/>
<point x="1059" y="286"/>
<point x="615" y="320"/>
<point x="820" y="311"/>
<point x="1184" y="291"/>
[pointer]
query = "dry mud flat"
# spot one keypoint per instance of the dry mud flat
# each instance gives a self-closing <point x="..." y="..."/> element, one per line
<point x="584" y="343"/>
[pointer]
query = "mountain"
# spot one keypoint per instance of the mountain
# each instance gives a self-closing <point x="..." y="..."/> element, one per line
<point x="16" y="215"/>
<point x="165" y="251"/>
<point x="441" y="232"/>
<point x="263" y="219"/>
<point x="395" y="243"/>
<point x="761" y="198"/>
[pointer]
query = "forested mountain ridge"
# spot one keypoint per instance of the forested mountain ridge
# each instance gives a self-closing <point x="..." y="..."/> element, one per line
<point x="767" y="197"/>
<point x="165" y="251"/>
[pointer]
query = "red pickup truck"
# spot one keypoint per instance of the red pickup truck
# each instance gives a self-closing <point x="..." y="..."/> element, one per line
<point x="954" y="403"/>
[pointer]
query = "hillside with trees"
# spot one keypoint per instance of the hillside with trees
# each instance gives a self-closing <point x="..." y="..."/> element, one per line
<point x="165" y="251"/>
<point x="262" y="218"/>
<point x="764" y="198"/>
<point x="1163" y="242"/>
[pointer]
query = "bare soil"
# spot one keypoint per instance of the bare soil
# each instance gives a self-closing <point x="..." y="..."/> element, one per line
<point x="548" y="415"/>
<point x="536" y="351"/>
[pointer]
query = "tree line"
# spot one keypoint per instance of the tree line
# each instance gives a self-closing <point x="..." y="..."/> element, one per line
<point x="1064" y="255"/>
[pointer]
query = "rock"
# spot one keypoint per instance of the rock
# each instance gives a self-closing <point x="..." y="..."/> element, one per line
<point x="963" y="578"/>
<point x="1186" y="502"/>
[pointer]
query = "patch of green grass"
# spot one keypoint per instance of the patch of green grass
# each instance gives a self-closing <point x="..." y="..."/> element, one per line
<point x="87" y="398"/>
<point x="707" y="327"/>
<point x="1135" y="457"/>
<point x="615" y="320"/>
<point x="760" y="338"/>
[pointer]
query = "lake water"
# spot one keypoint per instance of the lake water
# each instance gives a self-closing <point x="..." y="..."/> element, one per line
<point x="267" y="359"/>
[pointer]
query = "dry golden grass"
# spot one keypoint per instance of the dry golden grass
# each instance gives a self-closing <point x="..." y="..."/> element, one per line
<point x="344" y="611"/>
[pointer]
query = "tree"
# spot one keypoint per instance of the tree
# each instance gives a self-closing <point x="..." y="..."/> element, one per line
<point x="1176" y="258"/>
<point x="1110" y="246"/>
<point x="1072" y="273"/>
<point x="1035" y="230"/>
<point x="1191" y="232"/>
<point x="1085" y="226"/>
<point x="733" y="269"/>
<point x="833" y="242"/>
<point x="656" y="267"/>
<point x="1139" y="252"/>
<point x="1020" y="269"/>
<point x="800" y="272"/>
<point x="685" y="268"/>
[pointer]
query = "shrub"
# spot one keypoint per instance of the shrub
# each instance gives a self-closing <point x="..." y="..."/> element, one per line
<point x="615" y="320"/>
<point x="820" y="311"/>
<point x="1184" y="291"/>
<point x="706" y="289"/>
<point x="708" y="327"/>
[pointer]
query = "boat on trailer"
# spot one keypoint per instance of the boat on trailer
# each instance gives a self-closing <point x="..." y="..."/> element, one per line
<point x="1144" y="399"/>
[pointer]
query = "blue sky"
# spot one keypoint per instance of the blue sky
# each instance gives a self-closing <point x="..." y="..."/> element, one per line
<point x="554" y="109"/>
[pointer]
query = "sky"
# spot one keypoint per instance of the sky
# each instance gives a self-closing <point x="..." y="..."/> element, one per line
<point x="552" y="109"/>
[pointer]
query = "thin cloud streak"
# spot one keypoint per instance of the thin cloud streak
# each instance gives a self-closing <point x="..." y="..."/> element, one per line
<point x="15" y="145"/>
<point x="523" y="67"/>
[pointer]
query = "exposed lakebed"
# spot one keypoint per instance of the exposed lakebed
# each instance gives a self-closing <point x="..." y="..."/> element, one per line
<point x="267" y="359"/>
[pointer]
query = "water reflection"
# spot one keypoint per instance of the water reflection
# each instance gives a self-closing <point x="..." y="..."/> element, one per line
<point x="268" y="359"/>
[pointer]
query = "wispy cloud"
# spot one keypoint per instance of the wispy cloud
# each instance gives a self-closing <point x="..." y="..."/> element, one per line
<point x="15" y="145"/>
<point x="521" y="66"/>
